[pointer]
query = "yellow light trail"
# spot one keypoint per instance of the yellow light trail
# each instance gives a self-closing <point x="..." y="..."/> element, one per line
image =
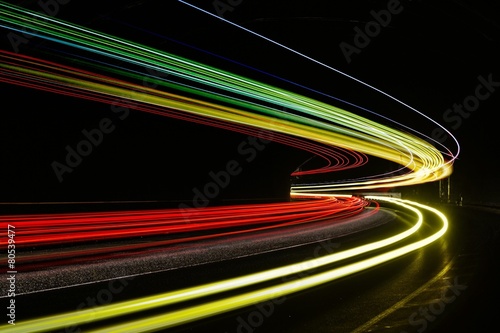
<point x="323" y="123"/>
<point x="312" y="120"/>
<point x="332" y="69"/>
<point x="212" y="308"/>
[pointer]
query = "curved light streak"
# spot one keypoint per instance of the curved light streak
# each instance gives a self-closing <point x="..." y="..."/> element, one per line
<point x="454" y="156"/>
<point x="335" y="158"/>
<point x="226" y="100"/>
<point x="231" y="303"/>
<point x="34" y="260"/>
<point x="398" y="124"/>
<point x="198" y="312"/>
<point x="336" y="128"/>
<point x="93" y="84"/>
<point x="49" y="229"/>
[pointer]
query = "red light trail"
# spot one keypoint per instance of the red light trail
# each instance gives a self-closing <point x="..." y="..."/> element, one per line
<point x="49" y="229"/>
<point x="205" y="95"/>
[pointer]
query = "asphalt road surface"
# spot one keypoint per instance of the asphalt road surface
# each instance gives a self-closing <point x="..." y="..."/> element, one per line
<point x="448" y="286"/>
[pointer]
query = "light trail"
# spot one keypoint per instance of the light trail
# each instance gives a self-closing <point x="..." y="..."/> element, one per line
<point x="337" y="127"/>
<point x="34" y="260"/>
<point x="335" y="158"/>
<point x="447" y="151"/>
<point x="49" y="229"/>
<point x="175" y="318"/>
<point x="453" y="156"/>
<point x="203" y="310"/>
<point x="32" y="74"/>
<point x="214" y="97"/>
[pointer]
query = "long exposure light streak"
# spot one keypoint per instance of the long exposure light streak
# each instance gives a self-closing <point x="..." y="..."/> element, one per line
<point x="35" y="260"/>
<point x="447" y="152"/>
<point x="453" y="156"/>
<point x="49" y="229"/>
<point x="27" y="72"/>
<point x="336" y="158"/>
<point x="196" y="312"/>
<point x="337" y="128"/>
<point x="207" y="95"/>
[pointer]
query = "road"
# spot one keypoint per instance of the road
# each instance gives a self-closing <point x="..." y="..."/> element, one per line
<point x="446" y="285"/>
